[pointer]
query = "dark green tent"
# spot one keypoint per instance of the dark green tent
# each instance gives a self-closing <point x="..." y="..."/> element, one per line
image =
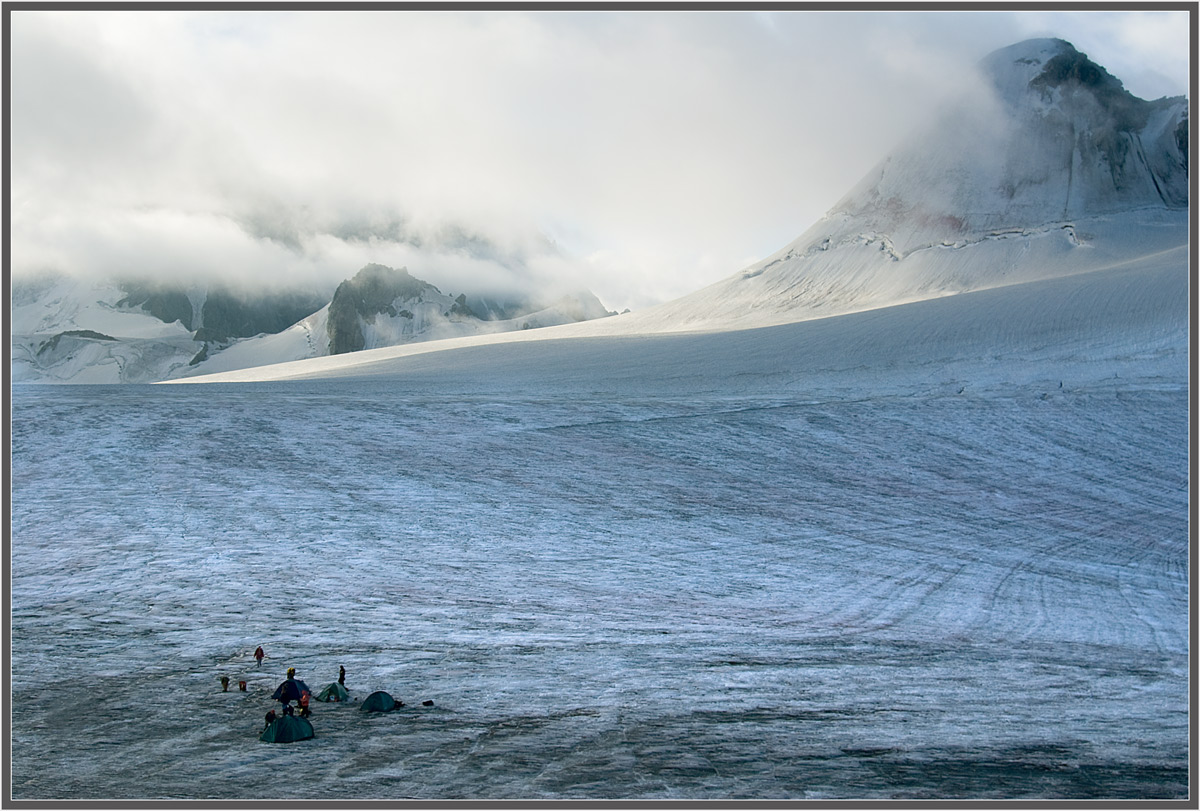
<point x="334" y="692"/>
<point x="379" y="701"/>
<point x="287" y="728"/>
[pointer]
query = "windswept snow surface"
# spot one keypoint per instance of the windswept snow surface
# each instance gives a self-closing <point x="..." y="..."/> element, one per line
<point x="929" y="551"/>
<point x="1093" y="323"/>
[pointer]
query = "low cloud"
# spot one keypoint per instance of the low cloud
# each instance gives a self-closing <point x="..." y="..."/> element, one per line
<point x="641" y="155"/>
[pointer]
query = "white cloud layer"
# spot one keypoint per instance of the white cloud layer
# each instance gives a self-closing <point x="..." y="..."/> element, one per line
<point x="660" y="151"/>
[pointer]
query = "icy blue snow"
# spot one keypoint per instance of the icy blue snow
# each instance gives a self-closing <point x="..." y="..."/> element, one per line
<point x="904" y="595"/>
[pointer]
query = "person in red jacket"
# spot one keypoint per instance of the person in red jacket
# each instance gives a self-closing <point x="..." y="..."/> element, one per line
<point x="258" y="654"/>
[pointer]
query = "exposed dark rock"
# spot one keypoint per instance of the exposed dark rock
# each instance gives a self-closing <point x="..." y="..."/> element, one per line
<point x="165" y="302"/>
<point x="373" y="290"/>
<point x="460" y="307"/>
<point x="1073" y="66"/>
<point x="52" y="344"/>
<point x="1073" y="72"/>
<point x="225" y="314"/>
<point x="1181" y="139"/>
<point x="1094" y="112"/>
<point x="228" y="315"/>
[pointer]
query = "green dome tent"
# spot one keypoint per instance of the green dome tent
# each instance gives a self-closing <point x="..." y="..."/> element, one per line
<point x="379" y="701"/>
<point x="334" y="692"/>
<point x="286" y="729"/>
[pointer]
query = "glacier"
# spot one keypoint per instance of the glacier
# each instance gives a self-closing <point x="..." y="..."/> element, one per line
<point x="900" y="512"/>
<point x="778" y="563"/>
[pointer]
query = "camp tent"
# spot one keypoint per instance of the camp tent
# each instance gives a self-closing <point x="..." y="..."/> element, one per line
<point x="286" y="729"/>
<point x="379" y="701"/>
<point x="290" y="690"/>
<point x="334" y="692"/>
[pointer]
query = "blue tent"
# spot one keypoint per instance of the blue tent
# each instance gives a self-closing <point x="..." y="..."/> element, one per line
<point x="290" y="690"/>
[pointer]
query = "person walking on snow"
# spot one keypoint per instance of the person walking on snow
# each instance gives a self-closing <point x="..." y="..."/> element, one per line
<point x="258" y="654"/>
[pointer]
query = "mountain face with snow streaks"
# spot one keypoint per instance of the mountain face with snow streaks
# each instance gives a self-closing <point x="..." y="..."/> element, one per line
<point x="1051" y="168"/>
<point x="382" y="306"/>
<point x="94" y="331"/>
<point x="373" y="291"/>
<point x="1048" y="169"/>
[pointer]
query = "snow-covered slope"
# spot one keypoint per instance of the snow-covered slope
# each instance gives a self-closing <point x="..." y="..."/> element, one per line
<point x="66" y="329"/>
<point x="1051" y="169"/>
<point x="430" y="326"/>
<point x="383" y="307"/>
<point x="1128" y="321"/>
<point x="71" y="330"/>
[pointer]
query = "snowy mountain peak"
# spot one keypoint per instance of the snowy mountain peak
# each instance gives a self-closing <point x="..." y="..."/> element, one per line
<point x="72" y="330"/>
<point x="1013" y="69"/>
<point x="1061" y="140"/>
<point x="381" y="306"/>
<point x="373" y="291"/>
<point x="1050" y="167"/>
<point x="1141" y="145"/>
<point x="1043" y="65"/>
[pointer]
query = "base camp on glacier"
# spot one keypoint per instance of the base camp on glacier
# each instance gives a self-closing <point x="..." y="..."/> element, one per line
<point x="896" y="510"/>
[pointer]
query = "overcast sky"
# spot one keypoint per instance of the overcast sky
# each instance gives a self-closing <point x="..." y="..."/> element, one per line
<point x="660" y="152"/>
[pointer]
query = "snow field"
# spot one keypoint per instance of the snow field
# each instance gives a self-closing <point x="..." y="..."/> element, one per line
<point x="935" y="547"/>
<point x="700" y="596"/>
<point x="936" y="550"/>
